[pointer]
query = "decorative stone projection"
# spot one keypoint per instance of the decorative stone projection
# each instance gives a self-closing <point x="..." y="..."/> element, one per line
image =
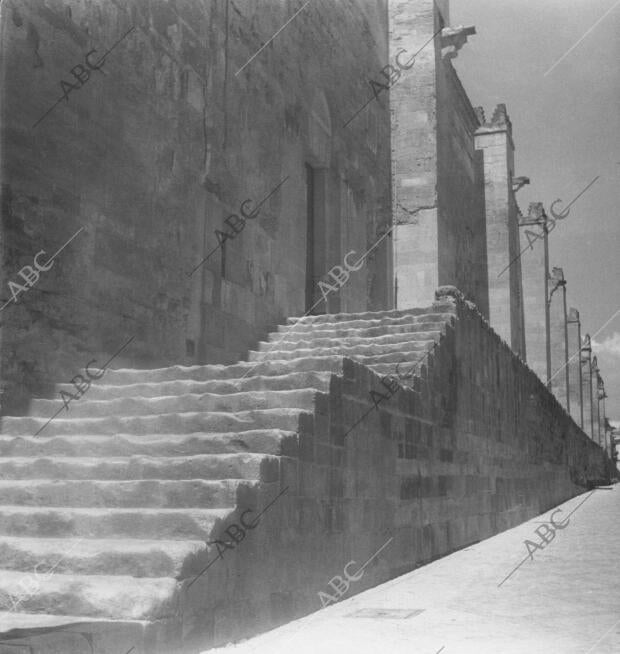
<point x="437" y="177"/>
<point x="575" y="367"/>
<point x="453" y="39"/>
<point x="535" y="283"/>
<point x="588" y="392"/>
<point x="558" y="346"/>
<point x="494" y="139"/>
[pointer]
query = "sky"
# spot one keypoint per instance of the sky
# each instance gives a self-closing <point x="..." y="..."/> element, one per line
<point x="554" y="64"/>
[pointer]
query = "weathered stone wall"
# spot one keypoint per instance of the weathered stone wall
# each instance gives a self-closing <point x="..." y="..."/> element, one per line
<point x="438" y="186"/>
<point x="413" y="104"/>
<point x="533" y="275"/>
<point x="494" y="139"/>
<point x="575" y="365"/>
<point x="152" y="152"/>
<point x="596" y="423"/>
<point x="560" y="372"/>
<point x="460" y="192"/>
<point x="478" y="448"/>
<point x="589" y="393"/>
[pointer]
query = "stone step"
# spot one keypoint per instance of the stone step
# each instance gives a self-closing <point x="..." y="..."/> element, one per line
<point x="68" y="522"/>
<point x="259" y="441"/>
<point x="406" y="359"/>
<point x="200" y="466"/>
<point x="391" y="357"/>
<point x="394" y="314"/>
<point x="180" y="423"/>
<point x="237" y="371"/>
<point x="50" y="633"/>
<point x="297" y="380"/>
<point x="385" y="327"/>
<point x="407" y="371"/>
<point x="124" y="597"/>
<point x="43" y="557"/>
<point x="338" y="331"/>
<point x="309" y="341"/>
<point x="148" y="493"/>
<point x="372" y="349"/>
<point x="408" y="364"/>
<point x="113" y="501"/>
<point x="84" y="407"/>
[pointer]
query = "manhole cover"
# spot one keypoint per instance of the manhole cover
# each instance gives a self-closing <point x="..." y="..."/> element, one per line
<point x="388" y="614"/>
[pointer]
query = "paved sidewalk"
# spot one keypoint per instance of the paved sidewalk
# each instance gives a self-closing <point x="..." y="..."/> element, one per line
<point x="564" y="601"/>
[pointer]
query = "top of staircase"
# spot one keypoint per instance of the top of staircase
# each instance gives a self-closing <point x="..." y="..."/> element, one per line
<point x="440" y="306"/>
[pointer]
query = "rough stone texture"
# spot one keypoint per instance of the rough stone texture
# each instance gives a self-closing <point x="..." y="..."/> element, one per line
<point x="494" y="139"/>
<point x="157" y="149"/>
<point x="148" y="469"/>
<point x="437" y="177"/>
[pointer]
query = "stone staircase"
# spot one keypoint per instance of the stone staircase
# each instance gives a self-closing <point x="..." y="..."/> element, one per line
<point x="113" y="502"/>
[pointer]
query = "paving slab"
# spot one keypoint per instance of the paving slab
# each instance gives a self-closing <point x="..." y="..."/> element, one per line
<point x="500" y="596"/>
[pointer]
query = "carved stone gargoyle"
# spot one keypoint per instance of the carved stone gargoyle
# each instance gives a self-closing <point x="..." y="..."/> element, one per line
<point x="453" y="39"/>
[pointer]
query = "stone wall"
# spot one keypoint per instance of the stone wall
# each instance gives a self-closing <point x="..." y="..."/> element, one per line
<point x="558" y="331"/>
<point x="150" y="154"/>
<point x="413" y="104"/>
<point x="437" y="175"/>
<point x="533" y="267"/>
<point x="596" y="422"/>
<point x="460" y="192"/>
<point x="494" y="139"/>
<point x="575" y="365"/>
<point x="479" y="447"/>
<point x="476" y="445"/>
<point x="589" y="390"/>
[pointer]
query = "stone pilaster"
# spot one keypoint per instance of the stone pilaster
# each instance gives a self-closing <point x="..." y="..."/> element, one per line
<point x="437" y="180"/>
<point x="587" y="393"/>
<point x="596" y="423"/>
<point x="494" y="139"/>
<point x="534" y="271"/>
<point x="414" y="153"/>
<point x="559" y="383"/>
<point x="601" y="395"/>
<point x="575" y="379"/>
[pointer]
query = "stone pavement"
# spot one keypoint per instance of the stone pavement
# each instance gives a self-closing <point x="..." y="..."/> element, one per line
<point x="566" y="600"/>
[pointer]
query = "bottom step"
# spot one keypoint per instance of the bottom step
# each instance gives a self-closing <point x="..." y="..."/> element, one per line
<point x="26" y="633"/>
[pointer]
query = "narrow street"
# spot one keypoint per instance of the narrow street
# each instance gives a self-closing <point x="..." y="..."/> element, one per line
<point x="564" y="600"/>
